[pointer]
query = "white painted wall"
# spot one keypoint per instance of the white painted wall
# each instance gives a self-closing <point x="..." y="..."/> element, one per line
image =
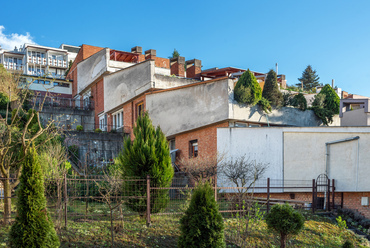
<point x="299" y="153"/>
<point x="51" y="88"/>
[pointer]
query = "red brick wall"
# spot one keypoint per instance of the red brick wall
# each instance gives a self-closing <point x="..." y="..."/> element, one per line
<point x="207" y="141"/>
<point x="129" y="114"/>
<point x="97" y="93"/>
<point x="162" y="62"/>
<point x="193" y="71"/>
<point x="178" y="69"/>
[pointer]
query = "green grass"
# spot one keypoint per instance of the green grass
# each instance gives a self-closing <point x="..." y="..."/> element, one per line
<point x="164" y="232"/>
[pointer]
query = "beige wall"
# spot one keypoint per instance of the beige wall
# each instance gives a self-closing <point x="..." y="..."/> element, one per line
<point x="355" y="118"/>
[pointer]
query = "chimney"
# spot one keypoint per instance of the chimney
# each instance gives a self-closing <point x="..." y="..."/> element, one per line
<point x="150" y="54"/>
<point x="137" y="50"/>
<point x="178" y="66"/>
<point x="193" y="68"/>
<point x="332" y="83"/>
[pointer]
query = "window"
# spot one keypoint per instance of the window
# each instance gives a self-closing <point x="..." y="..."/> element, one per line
<point x="254" y="125"/>
<point x="118" y="119"/>
<point x="139" y="109"/>
<point x="102" y="122"/>
<point x="172" y="144"/>
<point x="193" y="148"/>
<point x="240" y="124"/>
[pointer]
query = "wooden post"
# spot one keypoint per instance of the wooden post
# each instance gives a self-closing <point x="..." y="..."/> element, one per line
<point x="333" y="196"/>
<point x="328" y="200"/>
<point x="148" y="200"/>
<point x="65" y="200"/>
<point x="313" y="196"/>
<point x="268" y="195"/>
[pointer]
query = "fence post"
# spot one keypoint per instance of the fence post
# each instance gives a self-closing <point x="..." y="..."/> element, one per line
<point x="216" y="188"/>
<point x="148" y="200"/>
<point x="328" y="201"/>
<point x="313" y="196"/>
<point x="268" y="195"/>
<point x="333" y="196"/>
<point x="65" y="200"/>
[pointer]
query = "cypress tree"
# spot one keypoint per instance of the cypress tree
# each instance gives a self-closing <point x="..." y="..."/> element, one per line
<point x="326" y="104"/>
<point x="149" y="155"/>
<point x="271" y="89"/>
<point x="33" y="227"/>
<point x="332" y="100"/>
<point x="202" y="225"/>
<point x="247" y="90"/>
<point x="309" y="79"/>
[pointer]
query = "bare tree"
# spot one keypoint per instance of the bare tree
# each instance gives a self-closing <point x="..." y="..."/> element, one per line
<point x="18" y="130"/>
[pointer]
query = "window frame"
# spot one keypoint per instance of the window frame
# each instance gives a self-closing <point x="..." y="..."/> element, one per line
<point x="193" y="148"/>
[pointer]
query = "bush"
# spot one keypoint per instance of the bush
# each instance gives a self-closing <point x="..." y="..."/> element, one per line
<point x="3" y="101"/>
<point x="299" y="101"/>
<point x="284" y="220"/>
<point x="98" y="130"/>
<point x="33" y="225"/>
<point x="271" y="90"/>
<point x="265" y="105"/>
<point x="348" y="244"/>
<point x="79" y="128"/>
<point x="247" y="90"/>
<point x="326" y="104"/>
<point x="149" y="155"/>
<point x="202" y="225"/>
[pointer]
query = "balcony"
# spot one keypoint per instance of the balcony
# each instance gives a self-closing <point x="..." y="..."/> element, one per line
<point x="13" y="66"/>
<point x="37" y="60"/>
<point x="57" y="63"/>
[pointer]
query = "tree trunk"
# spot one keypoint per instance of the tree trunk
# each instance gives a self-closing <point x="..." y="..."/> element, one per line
<point x="7" y="201"/>
<point x="282" y="240"/>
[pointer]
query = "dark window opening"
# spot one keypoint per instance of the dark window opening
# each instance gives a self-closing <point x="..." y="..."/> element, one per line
<point x="193" y="148"/>
<point x="139" y="109"/>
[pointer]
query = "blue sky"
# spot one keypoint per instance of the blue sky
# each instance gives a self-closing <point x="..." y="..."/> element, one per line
<point x="332" y="36"/>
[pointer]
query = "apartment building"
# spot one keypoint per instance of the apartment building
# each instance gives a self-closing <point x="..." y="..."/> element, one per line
<point x="43" y="68"/>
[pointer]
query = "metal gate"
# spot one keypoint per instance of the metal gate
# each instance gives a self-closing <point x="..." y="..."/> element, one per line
<point x="323" y="191"/>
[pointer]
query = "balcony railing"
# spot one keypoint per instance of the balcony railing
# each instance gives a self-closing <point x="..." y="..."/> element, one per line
<point x="13" y="66"/>
<point x="37" y="60"/>
<point x="60" y="102"/>
<point x="58" y="63"/>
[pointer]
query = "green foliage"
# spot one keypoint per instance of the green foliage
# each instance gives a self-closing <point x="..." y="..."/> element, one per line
<point x="149" y="155"/>
<point x="326" y="104"/>
<point x="309" y="79"/>
<point x="175" y="54"/>
<point x="265" y="105"/>
<point x="299" y="101"/>
<point x="33" y="225"/>
<point x="348" y="244"/>
<point x="247" y="90"/>
<point x="332" y="100"/>
<point x="79" y="128"/>
<point x="271" y="89"/>
<point x="98" y="130"/>
<point x="3" y="101"/>
<point x="202" y="225"/>
<point x="284" y="220"/>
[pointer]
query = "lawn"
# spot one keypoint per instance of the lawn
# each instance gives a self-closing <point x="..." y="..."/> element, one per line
<point x="164" y="232"/>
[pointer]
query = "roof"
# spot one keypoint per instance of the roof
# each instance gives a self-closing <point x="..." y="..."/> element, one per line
<point x="225" y="72"/>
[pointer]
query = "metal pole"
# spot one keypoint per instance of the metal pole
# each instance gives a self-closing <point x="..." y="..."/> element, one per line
<point x="65" y="200"/>
<point x="333" y="197"/>
<point x="328" y="201"/>
<point x="268" y="195"/>
<point x="148" y="200"/>
<point x="313" y="196"/>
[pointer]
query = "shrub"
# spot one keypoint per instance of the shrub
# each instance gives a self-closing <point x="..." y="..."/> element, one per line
<point x="348" y="244"/>
<point x="247" y="90"/>
<point x="149" y="155"/>
<point x="332" y="100"/>
<point x="271" y="89"/>
<point x="79" y="128"/>
<point x="284" y="220"/>
<point x="299" y="101"/>
<point x="265" y="105"/>
<point x="98" y="130"/>
<point x="202" y="225"/>
<point x="3" y="101"/>
<point x="33" y="225"/>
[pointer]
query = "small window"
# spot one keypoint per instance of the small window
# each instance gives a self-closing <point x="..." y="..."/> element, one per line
<point x="193" y="148"/>
<point x="240" y="124"/>
<point x="139" y="109"/>
<point x="254" y="125"/>
<point x="172" y="144"/>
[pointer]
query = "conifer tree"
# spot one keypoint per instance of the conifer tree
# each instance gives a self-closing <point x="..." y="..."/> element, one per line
<point x="149" y="155"/>
<point x="309" y="79"/>
<point x="271" y="89"/>
<point x="33" y="227"/>
<point x="326" y="104"/>
<point x="332" y="100"/>
<point x="202" y="225"/>
<point x="247" y="90"/>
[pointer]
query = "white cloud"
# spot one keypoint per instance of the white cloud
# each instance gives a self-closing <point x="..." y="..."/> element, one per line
<point x="9" y="41"/>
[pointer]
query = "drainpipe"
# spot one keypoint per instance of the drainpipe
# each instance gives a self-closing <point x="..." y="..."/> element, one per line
<point x="267" y="118"/>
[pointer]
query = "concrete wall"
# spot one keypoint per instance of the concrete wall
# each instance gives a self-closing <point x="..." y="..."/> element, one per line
<point x="355" y="118"/>
<point x="117" y="65"/>
<point x="188" y="108"/>
<point x="162" y="71"/>
<point x="92" y="68"/>
<point x="125" y="84"/>
<point x="299" y="153"/>
<point x="166" y="81"/>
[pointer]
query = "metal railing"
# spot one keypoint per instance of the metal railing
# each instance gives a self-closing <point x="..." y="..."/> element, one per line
<point x="60" y="102"/>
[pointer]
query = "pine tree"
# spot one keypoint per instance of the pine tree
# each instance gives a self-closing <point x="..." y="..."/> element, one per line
<point x="202" y="225"/>
<point x="309" y="79"/>
<point x="247" y="90"/>
<point x="33" y="227"/>
<point x="149" y="155"/>
<point x="271" y="89"/>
